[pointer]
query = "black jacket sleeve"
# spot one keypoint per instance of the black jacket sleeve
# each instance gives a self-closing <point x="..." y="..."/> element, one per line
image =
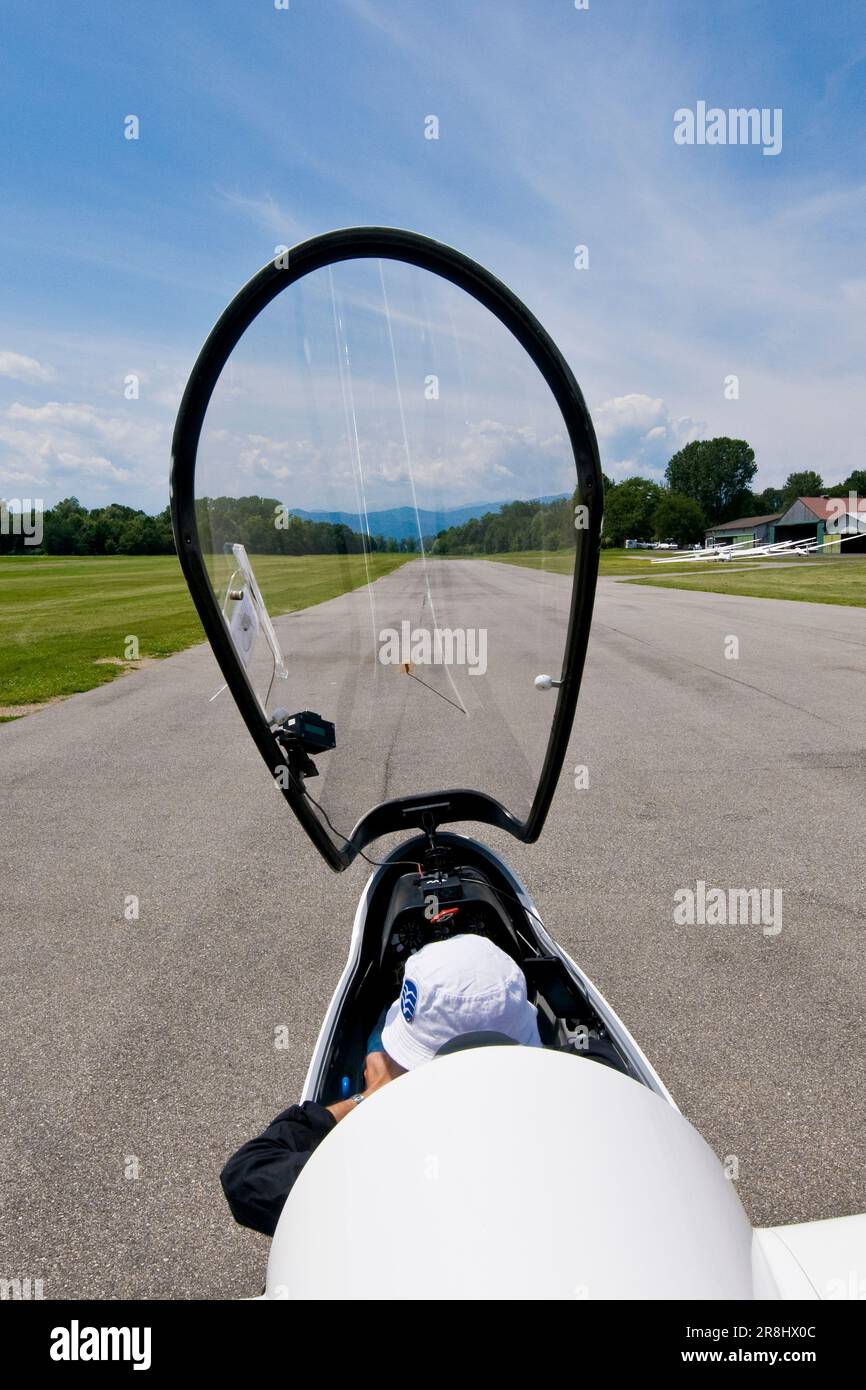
<point x="258" y="1178"/>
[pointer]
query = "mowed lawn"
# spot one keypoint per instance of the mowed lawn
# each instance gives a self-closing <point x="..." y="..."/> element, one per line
<point x="60" y="616"/>
<point x="807" y="580"/>
<point x="562" y="561"/>
<point x="612" y="561"/>
<point x="804" y="578"/>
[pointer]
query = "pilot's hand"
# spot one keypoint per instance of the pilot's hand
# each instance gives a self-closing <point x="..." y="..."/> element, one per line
<point x="379" y="1069"/>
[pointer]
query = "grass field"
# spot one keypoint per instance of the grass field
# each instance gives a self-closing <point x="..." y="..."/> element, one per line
<point x="822" y="581"/>
<point x="562" y="562"/>
<point x="60" y="616"/>
<point x="613" y="562"/>
<point x="805" y="578"/>
<point x="64" y="621"/>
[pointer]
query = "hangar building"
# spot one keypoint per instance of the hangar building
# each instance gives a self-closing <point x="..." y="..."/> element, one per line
<point x="745" y="531"/>
<point x="808" y="519"/>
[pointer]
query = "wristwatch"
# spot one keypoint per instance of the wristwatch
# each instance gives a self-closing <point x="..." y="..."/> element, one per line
<point x="358" y="1098"/>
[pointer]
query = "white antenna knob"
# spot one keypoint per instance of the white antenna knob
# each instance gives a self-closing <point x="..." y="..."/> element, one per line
<point x="546" y="683"/>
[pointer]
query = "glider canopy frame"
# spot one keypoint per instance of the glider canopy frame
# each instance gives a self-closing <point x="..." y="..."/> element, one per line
<point x="387" y="243"/>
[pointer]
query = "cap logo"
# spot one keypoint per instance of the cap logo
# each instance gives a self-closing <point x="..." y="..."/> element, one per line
<point x="409" y="1000"/>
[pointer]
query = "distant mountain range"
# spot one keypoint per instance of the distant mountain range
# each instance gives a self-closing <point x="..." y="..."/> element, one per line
<point x="398" y="523"/>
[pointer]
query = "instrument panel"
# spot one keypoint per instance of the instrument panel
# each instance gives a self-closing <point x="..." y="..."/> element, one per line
<point x="435" y="908"/>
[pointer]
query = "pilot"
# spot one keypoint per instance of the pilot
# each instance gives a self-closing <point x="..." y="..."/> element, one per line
<point x="451" y="989"/>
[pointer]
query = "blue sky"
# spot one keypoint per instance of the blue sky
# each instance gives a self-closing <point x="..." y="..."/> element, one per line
<point x="260" y="127"/>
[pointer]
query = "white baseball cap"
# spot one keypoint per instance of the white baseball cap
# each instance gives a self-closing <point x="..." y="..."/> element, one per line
<point x="463" y="985"/>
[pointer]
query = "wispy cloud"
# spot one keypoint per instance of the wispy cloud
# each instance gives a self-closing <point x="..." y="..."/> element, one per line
<point x="264" y="211"/>
<point x="17" y="367"/>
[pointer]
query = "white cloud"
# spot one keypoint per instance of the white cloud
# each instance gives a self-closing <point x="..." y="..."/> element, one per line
<point x="73" y="447"/>
<point x="639" y="434"/>
<point x="131" y="429"/>
<point x="90" y="467"/>
<point x="474" y="460"/>
<point x="45" y="462"/>
<point x="634" y="412"/>
<point x="463" y="460"/>
<point x="20" y="368"/>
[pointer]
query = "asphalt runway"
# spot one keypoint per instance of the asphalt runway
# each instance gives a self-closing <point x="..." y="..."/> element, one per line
<point x="137" y="1054"/>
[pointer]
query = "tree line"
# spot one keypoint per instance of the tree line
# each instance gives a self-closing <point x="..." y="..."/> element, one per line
<point x="707" y="482"/>
<point x="70" y="529"/>
<point x="516" y="526"/>
<point x="266" y="527"/>
<point x="261" y="524"/>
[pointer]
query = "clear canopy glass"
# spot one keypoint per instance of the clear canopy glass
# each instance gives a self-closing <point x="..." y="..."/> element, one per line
<point x="385" y="498"/>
